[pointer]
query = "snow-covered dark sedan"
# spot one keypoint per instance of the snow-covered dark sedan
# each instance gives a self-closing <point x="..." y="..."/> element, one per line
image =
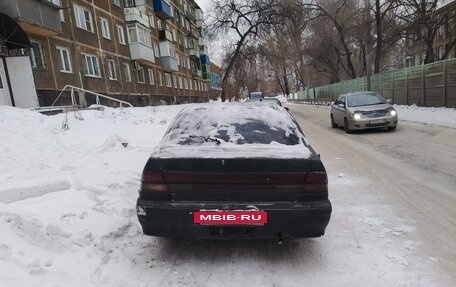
<point x="234" y="170"/>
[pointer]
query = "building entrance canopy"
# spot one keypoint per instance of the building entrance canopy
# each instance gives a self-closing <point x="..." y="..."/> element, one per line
<point x="11" y="34"/>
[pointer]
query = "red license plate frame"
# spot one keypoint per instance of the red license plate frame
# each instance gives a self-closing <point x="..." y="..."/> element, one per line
<point x="230" y="217"/>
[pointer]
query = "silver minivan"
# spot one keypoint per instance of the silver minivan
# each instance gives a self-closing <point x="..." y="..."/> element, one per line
<point x="363" y="110"/>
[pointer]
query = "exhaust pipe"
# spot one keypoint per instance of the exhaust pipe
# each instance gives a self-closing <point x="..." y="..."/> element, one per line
<point x="279" y="239"/>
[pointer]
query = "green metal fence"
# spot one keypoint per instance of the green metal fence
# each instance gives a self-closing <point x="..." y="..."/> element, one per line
<point x="431" y="85"/>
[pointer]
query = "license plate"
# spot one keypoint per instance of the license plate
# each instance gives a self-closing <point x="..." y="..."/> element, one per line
<point x="230" y="217"/>
<point x="376" y="121"/>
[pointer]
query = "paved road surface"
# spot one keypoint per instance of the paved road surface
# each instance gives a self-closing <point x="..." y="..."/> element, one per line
<point x="411" y="170"/>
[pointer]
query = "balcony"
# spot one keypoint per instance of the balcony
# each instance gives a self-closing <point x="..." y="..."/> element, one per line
<point x="169" y="64"/>
<point x="194" y="53"/>
<point x="168" y="59"/>
<point x="192" y="34"/>
<point x="199" y="18"/>
<point x="140" y="52"/>
<point x="163" y="9"/>
<point x="198" y="14"/>
<point x="133" y="14"/>
<point x="206" y="75"/>
<point x="165" y="35"/>
<point x="190" y="16"/>
<point x="203" y="50"/>
<point x="206" y="69"/>
<point x="37" y="17"/>
<point x="205" y="60"/>
<point x="197" y="74"/>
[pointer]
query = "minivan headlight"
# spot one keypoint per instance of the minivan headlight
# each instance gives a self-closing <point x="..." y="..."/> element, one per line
<point x="357" y="116"/>
<point x="392" y="113"/>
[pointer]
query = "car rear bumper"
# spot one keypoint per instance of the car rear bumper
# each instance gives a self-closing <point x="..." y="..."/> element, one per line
<point x="285" y="219"/>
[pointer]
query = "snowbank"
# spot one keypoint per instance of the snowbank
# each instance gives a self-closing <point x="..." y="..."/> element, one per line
<point x="67" y="216"/>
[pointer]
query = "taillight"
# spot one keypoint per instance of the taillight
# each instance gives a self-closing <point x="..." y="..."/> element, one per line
<point x="315" y="187"/>
<point x="317" y="178"/>
<point x="153" y="181"/>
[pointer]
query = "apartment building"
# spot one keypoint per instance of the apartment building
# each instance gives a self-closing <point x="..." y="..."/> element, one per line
<point x="216" y="81"/>
<point x="443" y="40"/>
<point x="142" y="51"/>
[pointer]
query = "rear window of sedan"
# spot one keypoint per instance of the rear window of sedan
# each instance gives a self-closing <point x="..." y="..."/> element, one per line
<point x="238" y="124"/>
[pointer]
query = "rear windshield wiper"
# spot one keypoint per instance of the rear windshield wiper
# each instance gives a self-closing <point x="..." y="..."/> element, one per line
<point x="206" y="139"/>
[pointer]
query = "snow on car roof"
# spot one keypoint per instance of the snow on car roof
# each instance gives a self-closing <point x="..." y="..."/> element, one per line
<point x="231" y="130"/>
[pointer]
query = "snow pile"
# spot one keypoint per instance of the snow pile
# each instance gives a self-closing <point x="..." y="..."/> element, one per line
<point x="445" y="117"/>
<point x="282" y="98"/>
<point x="65" y="196"/>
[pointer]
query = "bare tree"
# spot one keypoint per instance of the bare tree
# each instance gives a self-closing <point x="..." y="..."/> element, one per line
<point x="387" y="32"/>
<point x="244" y="18"/>
<point x="423" y="22"/>
<point x="343" y="15"/>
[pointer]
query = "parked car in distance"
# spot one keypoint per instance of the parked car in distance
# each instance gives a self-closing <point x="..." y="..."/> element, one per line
<point x="234" y="170"/>
<point x="363" y="110"/>
<point x="267" y="101"/>
<point x="256" y="95"/>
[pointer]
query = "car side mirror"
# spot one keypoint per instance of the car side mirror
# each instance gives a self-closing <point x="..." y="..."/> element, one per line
<point x="341" y="106"/>
<point x="389" y="101"/>
<point x="287" y="108"/>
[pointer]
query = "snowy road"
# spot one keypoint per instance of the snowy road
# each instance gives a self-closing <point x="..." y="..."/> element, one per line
<point x="395" y="191"/>
<point x="67" y="214"/>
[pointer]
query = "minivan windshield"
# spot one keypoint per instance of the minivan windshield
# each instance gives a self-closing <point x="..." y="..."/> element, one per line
<point x="364" y="100"/>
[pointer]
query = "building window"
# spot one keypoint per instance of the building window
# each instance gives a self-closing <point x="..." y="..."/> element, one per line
<point x="160" y="25"/>
<point x="417" y="60"/>
<point x="440" y="31"/>
<point x="140" y="74"/>
<point x="63" y="56"/>
<point x="190" y="84"/>
<point x="83" y="18"/>
<point x="175" y="81"/>
<point x="36" y="55"/>
<point x="168" y="80"/>
<point x="181" y="86"/>
<point x="152" y="20"/>
<point x="156" y="50"/>
<point x="440" y="52"/>
<point x="118" y="3"/>
<point x="120" y="34"/>
<point x="185" y="83"/>
<point x="160" y="80"/>
<point x="450" y="27"/>
<point x="126" y="72"/>
<point x="137" y="33"/>
<point x="151" y="76"/>
<point x="105" y="28"/>
<point x="195" y="85"/>
<point x="112" y="70"/>
<point x="91" y="66"/>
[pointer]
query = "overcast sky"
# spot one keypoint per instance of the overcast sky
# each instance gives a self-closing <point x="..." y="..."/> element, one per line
<point x="204" y="4"/>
